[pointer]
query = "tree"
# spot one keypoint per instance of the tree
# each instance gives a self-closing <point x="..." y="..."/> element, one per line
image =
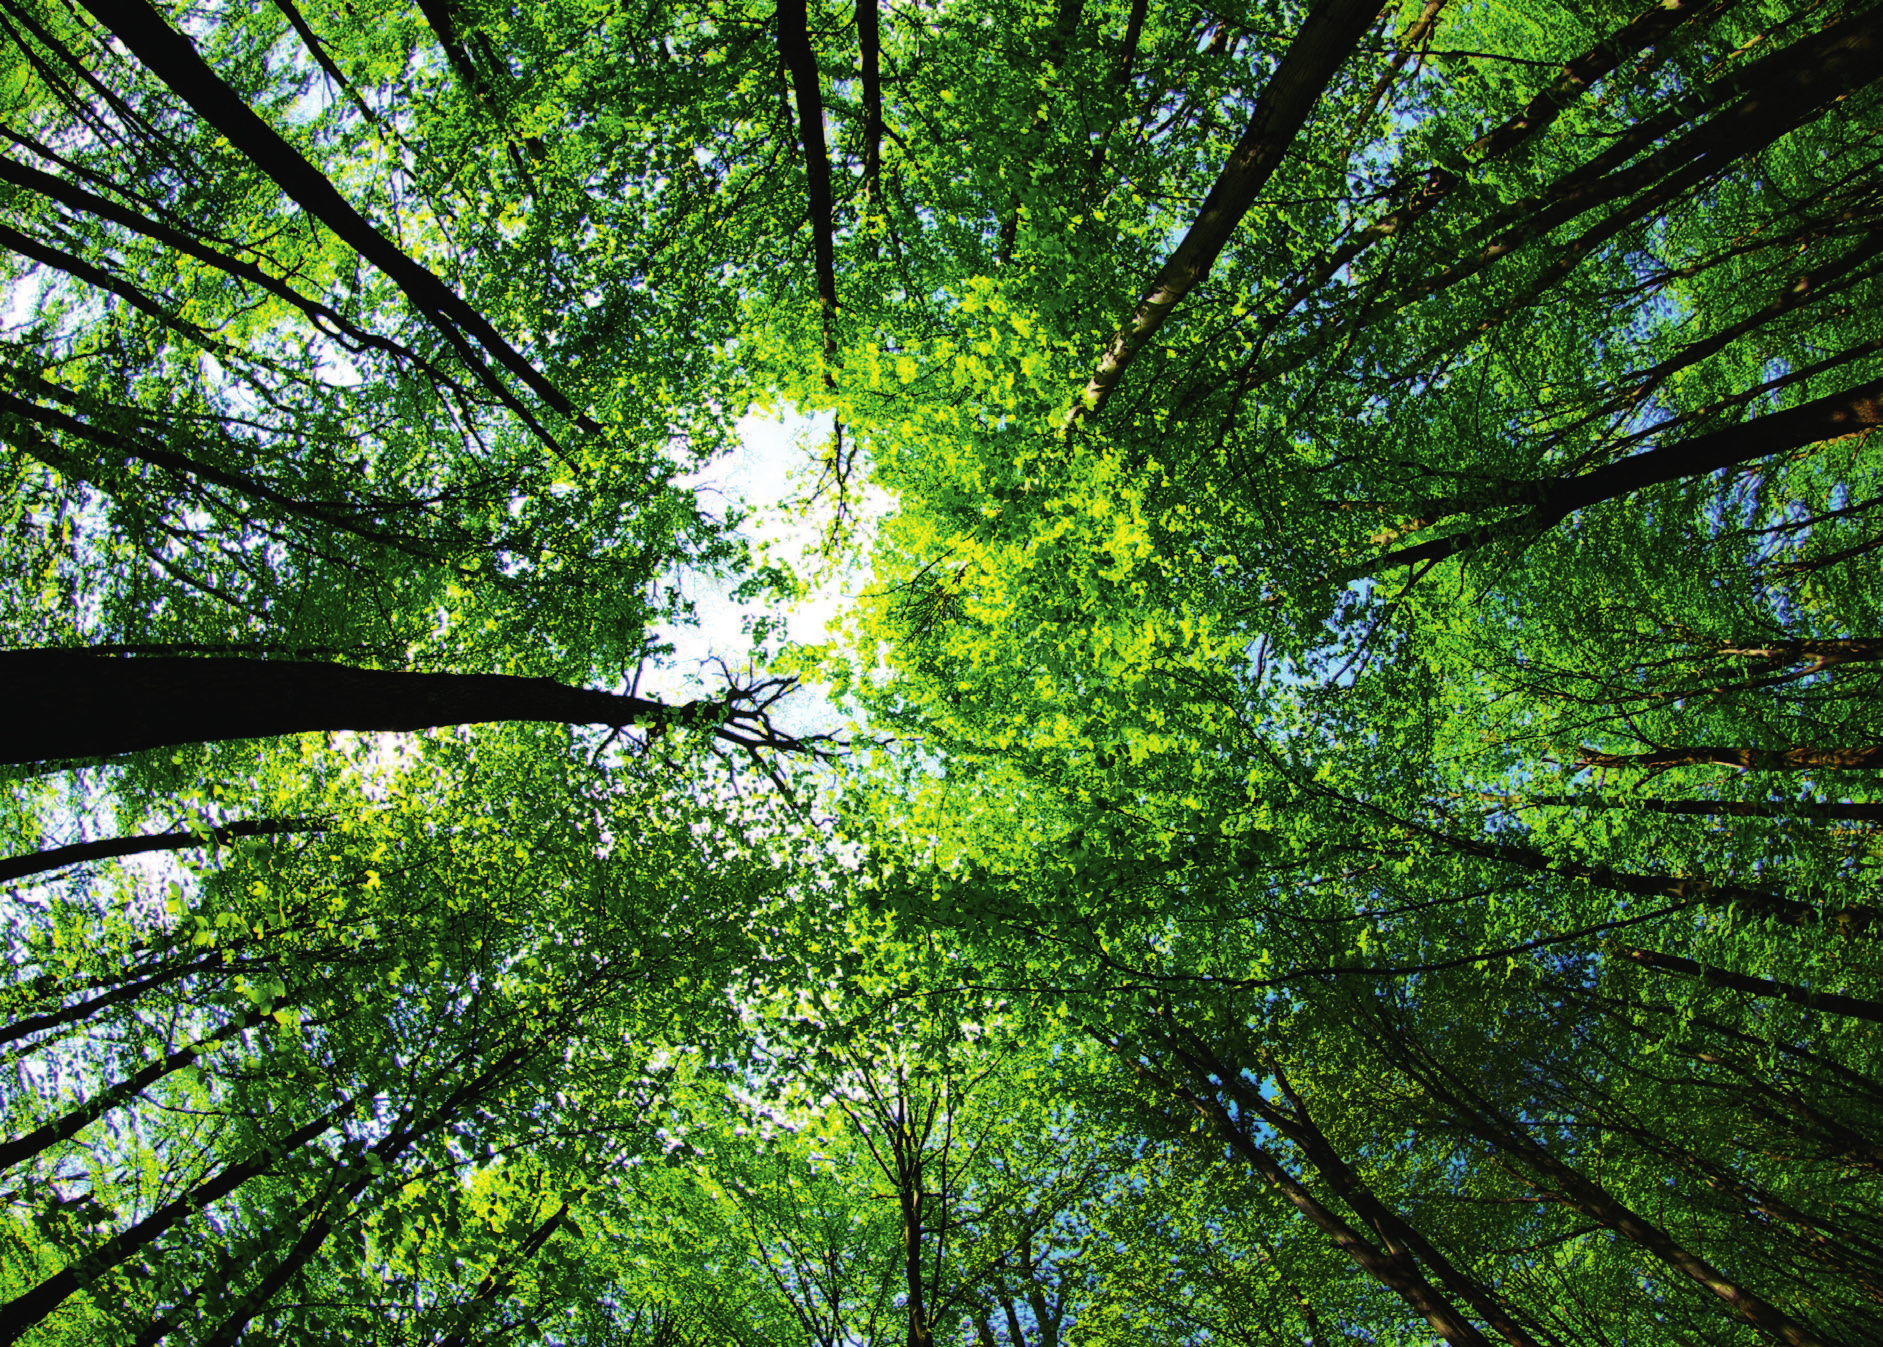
<point x="1366" y="824"/>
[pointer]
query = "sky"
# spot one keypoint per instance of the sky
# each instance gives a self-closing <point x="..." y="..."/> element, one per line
<point x="773" y="464"/>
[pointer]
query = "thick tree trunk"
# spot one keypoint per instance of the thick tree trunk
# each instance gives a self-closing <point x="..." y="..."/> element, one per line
<point x="68" y="704"/>
<point x="1327" y="37"/>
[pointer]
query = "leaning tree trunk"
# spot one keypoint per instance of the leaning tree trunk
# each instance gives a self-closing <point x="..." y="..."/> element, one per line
<point x="71" y="704"/>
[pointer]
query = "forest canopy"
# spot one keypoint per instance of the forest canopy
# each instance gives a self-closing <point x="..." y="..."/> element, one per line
<point x="1343" y="806"/>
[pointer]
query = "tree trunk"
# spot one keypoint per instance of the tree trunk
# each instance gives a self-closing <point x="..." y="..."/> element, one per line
<point x="869" y="44"/>
<point x="69" y="704"/>
<point x="1327" y="36"/>
<point x="1554" y="500"/>
<point x="52" y="1019"/>
<point x="1397" y="1272"/>
<point x="1856" y="1007"/>
<point x="496" y="1281"/>
<point x="60" y="1128"/>
<point x="57" y="858"/>
<point x="27" y="1309"/>
<point x="1867" y="757"/>
<point x="794" y="44"/>
<point x="169" y="56"/>
<point x="1401" y="1237"/>
<point x="1861" y="812"/>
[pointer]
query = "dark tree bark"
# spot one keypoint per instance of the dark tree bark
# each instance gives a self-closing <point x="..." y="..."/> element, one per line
<point x="1121" y="83"/>
<point x="1762" y="904"/>
<point x="1065" y="28"/>
<point x="68" y="1124"/>
<point x="170" y="56"/>
<point x="1329" y="34"/>
<point x="28" y="1308"/>
<point x="1553" y="500"/>
<point x="1399" y="1235"/>
<point x="1417" y="32"/>
<point x="1575" y="1190"/>
<point x="57" y="858"/>
<point x="496" y="1281"/>
<point x="335" y="1211"/>
<point x="1775" y="94"/>
<point x="1856" y="1007"/>
<point x="1396" y="1271"/>
<point x="794" y="44"/>
<point x="1644" y="31"/>
<point x="1806" y="809"/>
<point x="1864" y="757"/>
<point x="130" y="991"/>
<point x="318" y="50"/>
<point x="328" y="514"/>
<point x="870" y="44"/>
<point x="78" y="199"/>
<point x="70" y="704"/>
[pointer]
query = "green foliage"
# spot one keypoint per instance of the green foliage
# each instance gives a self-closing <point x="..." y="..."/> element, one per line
<point x="1368" y="835"/>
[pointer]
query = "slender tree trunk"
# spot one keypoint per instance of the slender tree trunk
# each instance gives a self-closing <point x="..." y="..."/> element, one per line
<point x="1398" y="1273"/>
<point x="1416" y="32"/>
<point x="1554" y="500"/>
<point x="1645" y="30"/>
<point x="1583" y="1195"/>
<point x="794" y="44"/>
<point x="1853" y="919"/>
<point x="88" y="706"/>
<point x="1856" y="1007"/>
<point x="324" y="514"/>
<point x="1121" y="82"/>
<point x="321" y="1227"/>
<point x="57" y="858"/>
<point x="870" y="45"/>
<point x="318" y="50"/>
<point x="1327" y="37"/>
<point x="496" y="1281"/>
<point x="1065" y="28"/>
<point x="27" y="1309"/>
<point x="910" y="1200"/>
<point x="1786" y="89"/>
<point x="59" y="1129"/>
<point x="169" y="56"/>
<point x="87" y="203"/>
<point x="1862" y="812"/>
<point x="1865" y="758"/>
<point x="1400" y="1236"/>
<point x="53" y="1019"/>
